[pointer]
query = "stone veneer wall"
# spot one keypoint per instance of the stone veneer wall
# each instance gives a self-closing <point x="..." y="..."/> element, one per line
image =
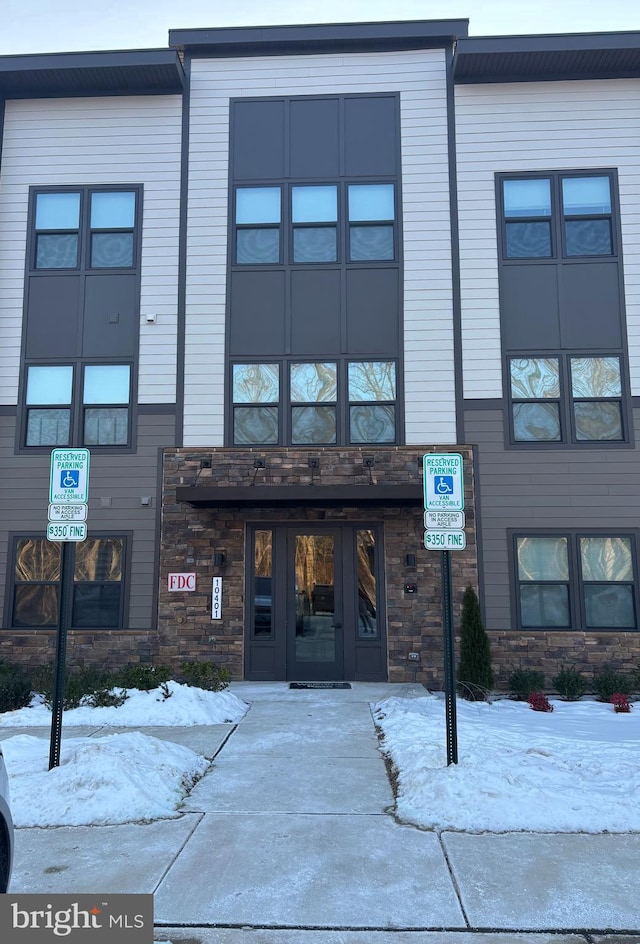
<point x="191" y="536"/>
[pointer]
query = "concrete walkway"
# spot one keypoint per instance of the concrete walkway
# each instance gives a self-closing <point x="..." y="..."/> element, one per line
<point x="290" y="839"/>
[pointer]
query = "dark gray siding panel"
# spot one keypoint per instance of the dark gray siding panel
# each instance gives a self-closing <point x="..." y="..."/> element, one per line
<point x="110" y="316"/>
<point x="315" y="145"/>
<point x="315" y="312"/>
<point x="258" y="132"/>
<point x="257" y="313"/>
<point x="48" y="335"/>
<point x="590" y="304"/>
<point x="372" y="311"/>
<point x="124" y="479"/>
<point x="370" y="136"/>
<point x="525" y="489"/>
<point x="529" y="306"/>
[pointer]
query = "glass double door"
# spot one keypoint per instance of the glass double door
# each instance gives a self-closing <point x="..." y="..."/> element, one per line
<point x="315" y="605"/>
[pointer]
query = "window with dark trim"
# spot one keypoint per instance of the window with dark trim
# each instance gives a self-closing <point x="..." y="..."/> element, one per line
<point x="567" y="398"/>
<point x="576" y="581"/>
<point x="327" y="222"/>
<point x="329" y="402"/>
<point x="77" y="404"/>
<point x="557" y="215"/>
<point x="96" y="583"/>
<point x="84" y="228"/>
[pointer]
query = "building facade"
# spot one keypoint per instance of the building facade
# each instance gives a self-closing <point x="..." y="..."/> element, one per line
<point x="259" y="275"/>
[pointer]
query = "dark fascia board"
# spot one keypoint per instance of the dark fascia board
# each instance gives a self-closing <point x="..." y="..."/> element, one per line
<point x="547" y="57"/>
<point x="213" y="496"/>
<point x="326" y="37"/>
<point x="69" y="74"/>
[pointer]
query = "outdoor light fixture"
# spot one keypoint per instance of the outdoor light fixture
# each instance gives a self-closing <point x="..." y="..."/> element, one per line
<point x="410" y="560"/>
<point x="218" y="558"/>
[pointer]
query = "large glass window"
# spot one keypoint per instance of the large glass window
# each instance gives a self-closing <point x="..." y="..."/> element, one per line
<point x="97" y="415"/>
<point x="317" y="402"/>
<point x="576" y="581"/>
<point x="558" y="215"/>
<point x="566" y="398"/>
<point x="96" y="582"/>
<point x="85" y="229"/>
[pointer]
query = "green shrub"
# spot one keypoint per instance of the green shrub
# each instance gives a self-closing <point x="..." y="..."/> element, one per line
<point x="205" y="675"/>
<point x="15" y="687"/>
<point x="608" y="683"/>
<point x="80" y="685"/>
<point x="143" y="676"/>
<point x="475" y="676"/>
<point x="522" y="682"/>
<point x="570" y="685"/>
<point x="108" y="697"/>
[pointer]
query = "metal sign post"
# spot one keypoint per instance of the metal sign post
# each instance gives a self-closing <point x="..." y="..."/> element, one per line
<point x="449" y="661"/>
<point x="61" y="653"/>
<point x="444" y="522"/>
<point x="68" y="496"/>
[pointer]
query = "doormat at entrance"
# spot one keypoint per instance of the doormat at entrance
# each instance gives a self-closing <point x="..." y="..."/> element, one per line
<point x="319" y="685"/>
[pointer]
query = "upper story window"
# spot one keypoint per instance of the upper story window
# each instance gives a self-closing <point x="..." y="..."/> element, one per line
<point x="567" y="398"/>
<point x="324" y="223"/>
<point x="84" y="229"/>
<point x="78" y="404"/>
<point x="557" y="216"/>
<point x="314" y="403"/>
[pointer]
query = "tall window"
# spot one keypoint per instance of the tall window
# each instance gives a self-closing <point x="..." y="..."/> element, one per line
<point x="576" y="581"/>
<point x="315" y="402"/>
<point x="84" y="229"/>
<point x="78" y="404"/>
<point x="95" y="583"/>
<point x="557" y="216"/>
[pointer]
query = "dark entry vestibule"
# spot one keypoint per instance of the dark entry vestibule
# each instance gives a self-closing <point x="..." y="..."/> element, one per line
<point x="314" y="602"/>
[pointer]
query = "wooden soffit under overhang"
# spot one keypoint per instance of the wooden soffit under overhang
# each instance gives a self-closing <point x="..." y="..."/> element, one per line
<point x="214" y="496"/>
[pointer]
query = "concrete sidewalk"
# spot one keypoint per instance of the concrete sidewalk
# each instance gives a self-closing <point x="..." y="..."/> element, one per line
<point x="290" y="839"/>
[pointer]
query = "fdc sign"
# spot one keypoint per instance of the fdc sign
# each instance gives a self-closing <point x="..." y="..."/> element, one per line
<point x="184" y="582"/>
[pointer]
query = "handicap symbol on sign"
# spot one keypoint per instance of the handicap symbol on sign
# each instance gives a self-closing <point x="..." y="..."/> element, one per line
<point x="444" y="485"/>
<point x="70" y="478"/>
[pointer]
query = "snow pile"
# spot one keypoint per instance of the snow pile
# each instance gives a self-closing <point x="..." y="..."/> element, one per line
<point x="185" y="705"/>
<point x="574" y="770"/>
<point x="118" y="778"/>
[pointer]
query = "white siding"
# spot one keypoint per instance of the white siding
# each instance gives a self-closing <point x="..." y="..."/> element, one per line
<point x="83" y="141"/>
<point x="528" y="127"/>
<point x="420" y="78"/>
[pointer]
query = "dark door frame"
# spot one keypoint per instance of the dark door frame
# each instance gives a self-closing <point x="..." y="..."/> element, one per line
<point x="361" y="659"/>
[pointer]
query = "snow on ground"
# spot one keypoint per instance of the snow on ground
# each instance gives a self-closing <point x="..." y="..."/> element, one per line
<point x="116" y="778"/>
<point x="576" y="769"/>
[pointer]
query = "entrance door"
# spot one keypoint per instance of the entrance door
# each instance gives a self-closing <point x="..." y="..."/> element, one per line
<point x="315" y="647"/>
<point x="314" y="604"/>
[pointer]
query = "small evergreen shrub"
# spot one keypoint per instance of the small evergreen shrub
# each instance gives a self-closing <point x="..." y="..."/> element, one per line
<point x="570" y="685"/>
<point x="207" y="675"/>
<point x="524" y="681"/>
<point x="143" y="676"/>
<point x="475" y="676"/>
<point x="608" y="683"/>
<point x="539" y="702"/>
<point x="106" y="698"/>
<point x="15" y="687"/>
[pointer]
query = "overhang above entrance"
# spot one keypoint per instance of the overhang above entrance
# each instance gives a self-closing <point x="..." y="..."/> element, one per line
<point x="212" y="496"/>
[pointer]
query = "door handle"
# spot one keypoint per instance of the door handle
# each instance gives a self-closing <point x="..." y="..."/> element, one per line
<point x="338" y="625"/>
